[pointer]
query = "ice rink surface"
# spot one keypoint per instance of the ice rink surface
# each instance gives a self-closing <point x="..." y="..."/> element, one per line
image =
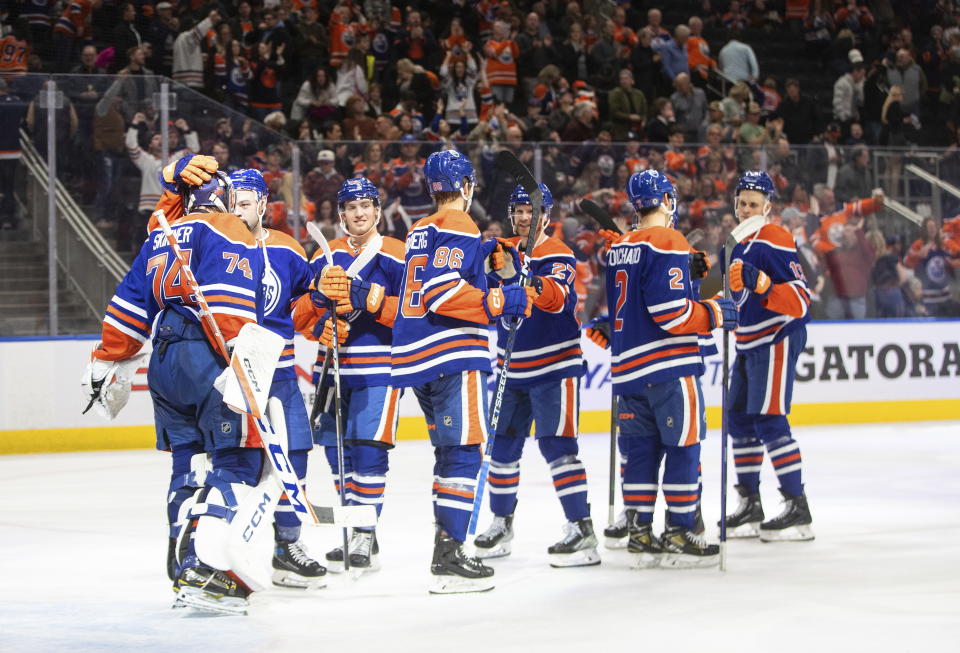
<point x="84" y="539"/>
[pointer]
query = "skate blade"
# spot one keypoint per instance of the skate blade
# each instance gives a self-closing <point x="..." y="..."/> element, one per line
<point x="646" y="560"/>
<point x="614" y="543"/>
<point x="460" y="585"/>
<point x="744" y="531"/>
<point x="687" y="561"/>
<point x="583" y="558"/>
<point x="496" y="551"/>
<point x="283" y="578"/>
<point x="800" y="533"/>
<point x="356" y="571"/>
<point x="194" y="597"/>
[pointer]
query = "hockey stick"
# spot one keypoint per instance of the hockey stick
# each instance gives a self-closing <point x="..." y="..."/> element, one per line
<point x="273" y="448"/>
<point x="320" y="394"/>
<point x="594" y="210"/>
<point x="743" y="230"/>
<point x="509" y="163"/>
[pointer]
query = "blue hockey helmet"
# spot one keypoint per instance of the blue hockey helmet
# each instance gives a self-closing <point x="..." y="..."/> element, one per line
<point x="757" y="180"/>
<point x="357" y="188"/>
<point x="214" y="194"/>
<point x="249" y="179"/>
<point x="445" y="171"/>
<point x="521" y="196"/>
<point x="646" y="190"/>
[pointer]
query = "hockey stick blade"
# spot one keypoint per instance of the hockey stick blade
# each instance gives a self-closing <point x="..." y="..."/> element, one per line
<point x="603" y="218"/>
<point x="318" y="236"/>
<point x="746" y="229"/>
<point x="509" y="163"/>
<point x="346" y="516"/>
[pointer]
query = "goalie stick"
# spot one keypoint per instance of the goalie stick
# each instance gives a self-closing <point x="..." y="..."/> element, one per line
<point x="743" y="230"/>
<point x="274" y="449"/>
<point x="509" y="163"/>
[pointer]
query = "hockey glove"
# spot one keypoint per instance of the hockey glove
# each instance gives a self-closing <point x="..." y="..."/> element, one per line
<point x="501" y="259"/>
<point x="363" y="296"/>
<point x="331" y="283"/>
<point x="723" y="313"/>
<point x="323" y="330"/>
<point x="599" y="331"/>
<point x="509" y="301"/>
<point x="699" y="265"/>
<point x="744" y="275"/>
<point x="92" y="381"/>
<point x="609" y="235"/>
<point x="193" y="170"/>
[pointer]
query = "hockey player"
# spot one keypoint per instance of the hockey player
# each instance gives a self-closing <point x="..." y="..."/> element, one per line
<point x="190" y="415"/>
<point x="771" y="292"/>
<point x="656" y="361"/>
<point x="440" y="349"/>
<point x="543" y="386"/>
<point x="368" y="300"/>
<point x="287" y="275"/>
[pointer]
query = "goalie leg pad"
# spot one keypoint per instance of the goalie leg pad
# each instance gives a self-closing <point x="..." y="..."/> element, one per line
<point x="256" y="351"/>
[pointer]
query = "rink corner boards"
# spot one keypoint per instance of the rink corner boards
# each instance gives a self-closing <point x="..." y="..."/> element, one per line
<point x="413" y="428"/>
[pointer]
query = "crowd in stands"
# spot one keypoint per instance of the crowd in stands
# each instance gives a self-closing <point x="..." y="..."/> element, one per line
<point x="589" y="92"/>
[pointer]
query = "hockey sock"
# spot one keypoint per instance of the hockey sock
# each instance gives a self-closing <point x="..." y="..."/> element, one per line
<point x="369" y="476"/>
<point x="331" y="454"/>
<point x="504" y="476"/>
<point x="680" y="484"/>
<point x="747" y="459"/>
<point x="183" y="483"/>
<point x="785" y="456"/>
<point x="287" y="521"/>
<point x="456" y="483"/>
<point x="569" y="475"/>
<point x="640" y="474"/>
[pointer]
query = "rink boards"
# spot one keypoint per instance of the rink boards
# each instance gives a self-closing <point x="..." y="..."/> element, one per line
<point x="850" y="372"/>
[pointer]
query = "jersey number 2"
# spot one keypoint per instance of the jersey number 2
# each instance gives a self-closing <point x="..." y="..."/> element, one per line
<point x="621" y="281"/>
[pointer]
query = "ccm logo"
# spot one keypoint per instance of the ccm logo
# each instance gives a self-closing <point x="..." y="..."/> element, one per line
<point x="250" y="375"/>
<point x="251" y="528"/>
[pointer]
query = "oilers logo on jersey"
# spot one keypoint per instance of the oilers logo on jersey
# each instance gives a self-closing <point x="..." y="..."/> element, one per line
<point x="271" y="291"/>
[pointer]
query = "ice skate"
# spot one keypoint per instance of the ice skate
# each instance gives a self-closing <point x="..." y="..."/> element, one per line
<point x="495" y="541"/>
<point x="642" y="543"/>
<point x="745" y="520"/>
<point x="211" y="590"/>
<point x="615" y="535"/>
<point x="454" y="572"/>
<point x="684" y="549"/>
<point x="364" y="554"/>
<point x="578" y="548"/>
<point x="292" y="567"/>
<point x="792" y="525"/>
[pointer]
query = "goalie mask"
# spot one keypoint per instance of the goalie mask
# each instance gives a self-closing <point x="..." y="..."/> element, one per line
<point x="352" y="190"/>
<point x="520" y="197"/>
<point x="212" y="195"/>
<point x="249" y="196"/>
<point x="647" y="190"/>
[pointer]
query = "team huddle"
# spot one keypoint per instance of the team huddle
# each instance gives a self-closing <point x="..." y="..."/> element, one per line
<point x="391" y="316"/>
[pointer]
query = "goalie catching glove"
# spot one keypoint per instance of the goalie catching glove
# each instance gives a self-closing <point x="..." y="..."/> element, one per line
<point x="744" y="275"/>
<point x="105" y="385"/>
<point x="193" y="170"/>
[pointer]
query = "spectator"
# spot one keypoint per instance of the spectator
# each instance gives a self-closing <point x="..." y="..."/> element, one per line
<point x="645" y="62"/>
<point x="673" y="53"/>
<point x="221" y="152"/>
<point x="771" y="98"/>
<point x="125" y="35"/>
<point x="458" y="81"/>
<point x="88" y="63"/>
<point x="698" y="52"/>
<point x="658" y="128"/>
<point x="72" y="29"/>
<point x="162" y="33"/>
<point x="659" y="35"/>
<point x="187" y="55"/>
<point x="417" y="42"/>
<point x="848" y="96"/>
<point x="690" y="105"/>
<point x="322" y="183"/>
<point x="356" y="124"/>
<point x="536" y="52"/>
<point x="827" y="158"/>
<point x="12" y="110"/>
<point x="628" y="108"/>
<point x="502" y="53"/>
<point x="317" y="99"/>
<point x="311" y="41"/>
<point x="849" y="265"/>
<point x="572" y="54"/>
<point x="603" y="59"/>
<point x="896" y="122"/>
<point x="889" y="277"/>
<point x="931" y="260"/>
<point x="264" y="81"/>
<point x="373" y="165"/>
<point x="799" y="114"/>
<point x="734" y="20"/>
<point x="735" y="105"/>
<point x="910" y="78"/>
<point x="351" y="77"/>
<point x="737" y="60"/>
<point x="714" y="117"/>
<point x="580" y="127"/>
<point x="751" y="131"/>
<point x="416" y="89"/>
<point x="854" y="178"/>
<point x="406" y="179"/>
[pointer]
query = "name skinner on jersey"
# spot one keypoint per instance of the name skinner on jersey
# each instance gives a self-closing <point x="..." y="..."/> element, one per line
<point x="182" y="234"/>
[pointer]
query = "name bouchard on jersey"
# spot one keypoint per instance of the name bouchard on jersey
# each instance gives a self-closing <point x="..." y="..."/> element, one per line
<point x="182" y="234"/>
<point x="624" y="255"/>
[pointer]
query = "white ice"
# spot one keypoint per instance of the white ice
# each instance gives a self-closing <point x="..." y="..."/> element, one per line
<point x="83" y="545"/>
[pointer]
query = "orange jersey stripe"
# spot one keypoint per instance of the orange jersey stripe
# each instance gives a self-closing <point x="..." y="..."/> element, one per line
<point x="676" y="351"/>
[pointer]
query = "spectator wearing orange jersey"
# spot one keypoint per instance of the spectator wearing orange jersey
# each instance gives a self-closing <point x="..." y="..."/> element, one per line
<point x="342" y="32"/>
<point x="417" y="42"/>
<point x="698" y="52"/>
<point x="830" y="232"/>
<point x="14" y="50"/>
<point x="501" y="66"/>
<point x="71" y="29"/>
<point x="623" y="36"/>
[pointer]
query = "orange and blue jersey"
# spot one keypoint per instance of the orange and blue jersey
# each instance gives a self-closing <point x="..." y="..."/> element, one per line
<point x="441" y="327"/>
<point x="287" y="276"/>
<point x="547" y="346"/>
<point x="657" y="325"/>
<point x="785" y="309"/>
<point x="73" y="20"/>
<point x="407" y="181"/>
<point x="365" y="356"/>
<point x="223" y="257"/>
